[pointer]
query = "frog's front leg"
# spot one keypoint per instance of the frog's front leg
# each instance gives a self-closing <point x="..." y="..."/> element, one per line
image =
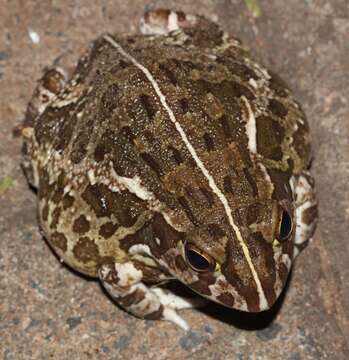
<point x="48" y="87"/>
<point x="306" y="210"/>
<point x="124" y="283"/>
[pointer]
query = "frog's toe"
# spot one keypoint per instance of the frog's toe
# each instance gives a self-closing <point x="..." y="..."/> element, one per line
<point x="193" y="30"/>
<point x="171" y="315"/>
<point x="164" y="21"/>
<point x="168" y="298"/>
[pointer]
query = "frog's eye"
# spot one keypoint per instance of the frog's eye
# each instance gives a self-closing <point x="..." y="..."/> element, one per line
<point x="285" y="225"/>
<point x="197" y="260"/>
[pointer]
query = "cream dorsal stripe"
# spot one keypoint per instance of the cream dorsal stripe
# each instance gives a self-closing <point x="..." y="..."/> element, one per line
<point x="262" y="299"/>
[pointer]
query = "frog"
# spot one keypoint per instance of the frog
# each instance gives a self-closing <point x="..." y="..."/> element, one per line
<point x="172" y="155"/>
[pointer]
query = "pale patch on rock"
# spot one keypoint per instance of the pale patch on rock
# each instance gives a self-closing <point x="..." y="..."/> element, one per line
<point x="34" y="36"/>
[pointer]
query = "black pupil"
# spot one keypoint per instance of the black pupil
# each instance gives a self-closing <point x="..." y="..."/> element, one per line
<point x="286" y="225"/>
<point x="197" y="261"/>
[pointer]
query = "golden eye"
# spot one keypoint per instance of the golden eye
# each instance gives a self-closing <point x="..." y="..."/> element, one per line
<point x="285" y="225"/>
<point x="197" y="260"/>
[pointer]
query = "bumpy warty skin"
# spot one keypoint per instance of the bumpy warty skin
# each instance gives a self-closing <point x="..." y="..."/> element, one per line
<point x="162" y="144"/>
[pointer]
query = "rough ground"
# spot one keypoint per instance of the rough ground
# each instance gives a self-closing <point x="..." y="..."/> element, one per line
<point x="46" y="311"/>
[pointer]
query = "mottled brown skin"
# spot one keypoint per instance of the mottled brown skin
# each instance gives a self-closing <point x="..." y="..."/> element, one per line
<point x="107" y="121"/>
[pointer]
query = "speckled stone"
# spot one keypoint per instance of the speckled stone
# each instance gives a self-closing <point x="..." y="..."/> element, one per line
<point x="50" y="312"/>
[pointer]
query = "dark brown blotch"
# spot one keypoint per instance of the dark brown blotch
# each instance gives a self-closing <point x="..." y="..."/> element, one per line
<point x="270" y="135"/>
<point x="245" y="285"/>
<point x="283" y="273"/>
<point x="59" y="188"/>
<point x="104" y="145"/>
<point x="278" y="85"/>
<point x="81" y="225"/>
<point x="202" y="285"/>
<point x="255" y="213"/>
<point x="133" y="298"/>
<point x="110" y="99"/>
<point x="45" y="189"/>
<point x="127" y="216"/>
<point x="67" y="201"/>
<point x="277" y="108"/>
<point x="65" y="132"/>
<point x="86" y="250"/>
<point x="215" y="231"/>
<point x="108" y="229"/>
<point x="226" y="299"/>
<point x="280" y="179"/>
<point x="44" y="213"/>
<point x="155" y="315"/>
<point x="149" y="136"/>
<point x="167" y="235"/>
<point x="184" y="105"/>
<point x="104" y="202"/>
<point x="309" y="215"/>
<point x="186" y="207"/>
<point x="227" y="89"/>
<point x="208" y="195"/>
<point x="58" y="240"/>
<point x="168" y="73"/>
<point x="55" y="126"/>
<point x="262" y="250"/>
<point x="58" y="194"/>
<point x="80" y="146"/>
<point x="244" y="72"/>
<point x="209" y="142"/>
<point x="123" y="64"/>
<point x="240" y="90"/>
<point x="152" y="163"/>
<point x="56" y="214"/>
<point x="176" y="155"/>
<point x="95" y="197"/>
<point x="127" y="132"/>
<point x="148" y="106"/>
<point x="227" y="184"/>
<point x="226" y="127"/>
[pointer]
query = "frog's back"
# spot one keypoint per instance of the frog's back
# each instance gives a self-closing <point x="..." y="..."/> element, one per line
<point x="130" y="134"/>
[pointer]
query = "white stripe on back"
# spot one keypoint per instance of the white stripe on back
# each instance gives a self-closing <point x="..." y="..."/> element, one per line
<point x="262" y="299"/>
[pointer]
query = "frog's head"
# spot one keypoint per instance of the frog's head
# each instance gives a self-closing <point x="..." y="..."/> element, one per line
<point x="242" y="262"/>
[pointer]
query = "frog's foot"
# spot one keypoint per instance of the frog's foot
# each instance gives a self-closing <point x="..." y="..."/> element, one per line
<point x="168" y="298"/>
<point x="184" y="28"/>
<point x="306" y="211"/>
<point x="49" y="86"/>
<point x="164" y="21"/>
<point x="124" y="284"/>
